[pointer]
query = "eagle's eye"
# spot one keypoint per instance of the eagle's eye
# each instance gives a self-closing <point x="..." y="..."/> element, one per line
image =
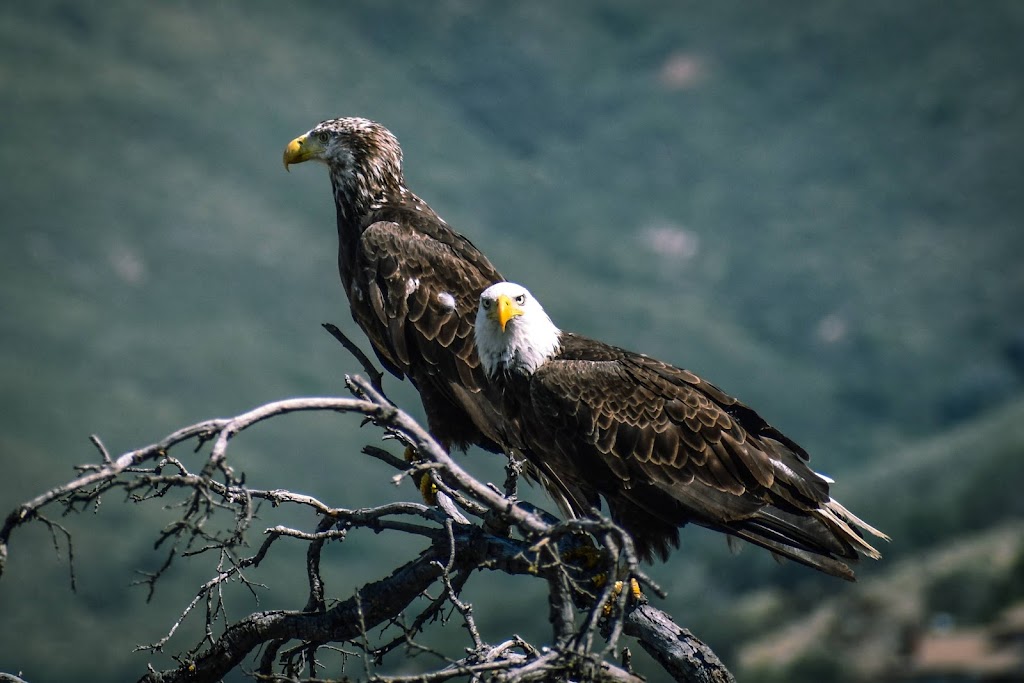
<point x="323" y="137"/>
<point x="521" y="299"/>
<point x="486" y="303"/>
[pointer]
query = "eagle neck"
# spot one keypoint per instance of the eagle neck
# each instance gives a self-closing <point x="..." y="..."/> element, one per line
<point x="362" y="185"/>
<point x="356" y="196"/>
<point x="521" y="349"/>
<point x="351" y="201"/>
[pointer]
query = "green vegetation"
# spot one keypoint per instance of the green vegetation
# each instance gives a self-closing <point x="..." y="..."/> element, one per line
<point x="816" y="206"/>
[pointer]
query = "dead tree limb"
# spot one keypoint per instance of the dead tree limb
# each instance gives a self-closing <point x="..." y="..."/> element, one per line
<point x="479" y="528"/>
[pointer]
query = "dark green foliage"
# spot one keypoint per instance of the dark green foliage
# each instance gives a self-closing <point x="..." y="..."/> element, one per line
<point x="1009" y="588"/>
<point x="967" y="595"/>
<point x="819" y="666"/>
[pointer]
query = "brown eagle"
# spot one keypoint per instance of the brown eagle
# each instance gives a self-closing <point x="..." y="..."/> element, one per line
<point x="412" y="282"/>
<point x="659" y="444"/>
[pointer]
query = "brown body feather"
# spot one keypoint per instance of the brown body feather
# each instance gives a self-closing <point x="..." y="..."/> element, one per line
<point x="412" y="282"/>
<point x="665" y="448"/>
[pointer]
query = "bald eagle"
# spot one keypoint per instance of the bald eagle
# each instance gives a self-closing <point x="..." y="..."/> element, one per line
<point x="662" y="446"/>
<point x="412" y="282"/>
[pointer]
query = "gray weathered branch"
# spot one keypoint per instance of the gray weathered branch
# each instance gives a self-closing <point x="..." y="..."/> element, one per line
<point x="477" y="528"/>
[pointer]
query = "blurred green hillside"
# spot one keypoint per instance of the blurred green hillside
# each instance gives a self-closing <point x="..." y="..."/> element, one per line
<point x="817" y="206"/>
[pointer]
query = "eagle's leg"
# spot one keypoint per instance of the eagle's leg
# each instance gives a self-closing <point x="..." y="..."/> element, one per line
<point x="589" y="558"/>
<point x="428" y="490"/>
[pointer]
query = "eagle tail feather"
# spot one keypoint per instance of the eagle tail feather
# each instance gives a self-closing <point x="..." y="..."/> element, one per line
<point x="816" y="560"/>
<point x="838" y="515"/>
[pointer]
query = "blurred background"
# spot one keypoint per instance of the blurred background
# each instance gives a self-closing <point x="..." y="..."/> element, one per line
<point x="816" y="206"/>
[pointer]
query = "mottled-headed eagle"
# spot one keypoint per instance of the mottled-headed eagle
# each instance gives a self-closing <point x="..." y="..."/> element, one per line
<point x="412" y="282"/>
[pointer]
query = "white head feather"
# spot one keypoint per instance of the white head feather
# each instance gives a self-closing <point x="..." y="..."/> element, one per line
<point x="529" y="337"/>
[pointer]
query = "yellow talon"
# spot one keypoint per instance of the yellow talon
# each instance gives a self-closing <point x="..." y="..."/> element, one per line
<point x="635" y="592"/>
<point x="428" y="490"/>
<point x="609" y="605"/>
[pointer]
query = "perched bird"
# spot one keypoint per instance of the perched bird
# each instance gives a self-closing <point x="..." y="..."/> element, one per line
<point x="658" y="443"/>
<point x="412" y="282"/>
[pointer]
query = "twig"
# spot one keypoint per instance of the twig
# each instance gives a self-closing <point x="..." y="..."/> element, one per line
<point x="375" y="375"/>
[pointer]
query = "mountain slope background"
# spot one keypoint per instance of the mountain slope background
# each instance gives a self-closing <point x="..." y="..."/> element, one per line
<point x="817" y="207"/>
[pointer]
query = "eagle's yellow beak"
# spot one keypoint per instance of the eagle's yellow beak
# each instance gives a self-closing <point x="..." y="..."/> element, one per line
<point x="505" y="310"/>
<point x="302" y="148"/>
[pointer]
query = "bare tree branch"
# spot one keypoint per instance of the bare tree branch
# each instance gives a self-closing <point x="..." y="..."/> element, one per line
<point x="375" y="375"/>
<point x="684" y="656"/>
<point x="479" y="527"/>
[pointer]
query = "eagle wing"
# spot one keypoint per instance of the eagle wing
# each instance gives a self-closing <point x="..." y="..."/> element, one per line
<point x="420" y="298"/>
<point x="415" y="294"/>
<point x="650" y="422"/>
<point x="665" y="447"/>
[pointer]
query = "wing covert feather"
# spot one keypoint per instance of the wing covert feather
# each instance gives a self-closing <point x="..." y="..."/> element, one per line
<point x="423" y="296"/>
<point x="646" y="427"/>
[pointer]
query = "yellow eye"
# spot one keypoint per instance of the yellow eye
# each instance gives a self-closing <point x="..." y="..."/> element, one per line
<point x="323" y="137"/>
<point x="521" y="299"/>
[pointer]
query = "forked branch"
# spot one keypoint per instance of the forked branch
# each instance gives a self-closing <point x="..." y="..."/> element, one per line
<point x="478" y="528"/>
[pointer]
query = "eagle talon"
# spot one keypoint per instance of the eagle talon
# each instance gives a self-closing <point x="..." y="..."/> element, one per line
<point x="635" y="594"/>
<point x="428" y="489"/>
<point x="634" y="587"/>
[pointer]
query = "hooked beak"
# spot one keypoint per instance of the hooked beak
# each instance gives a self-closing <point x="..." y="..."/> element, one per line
<point x="302" y="148"/>
<point x="504" y="310"/>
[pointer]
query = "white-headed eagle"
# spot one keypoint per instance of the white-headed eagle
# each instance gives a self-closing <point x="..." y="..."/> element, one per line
<point x="412" y="282"/>
<point x="659" y="444"/>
